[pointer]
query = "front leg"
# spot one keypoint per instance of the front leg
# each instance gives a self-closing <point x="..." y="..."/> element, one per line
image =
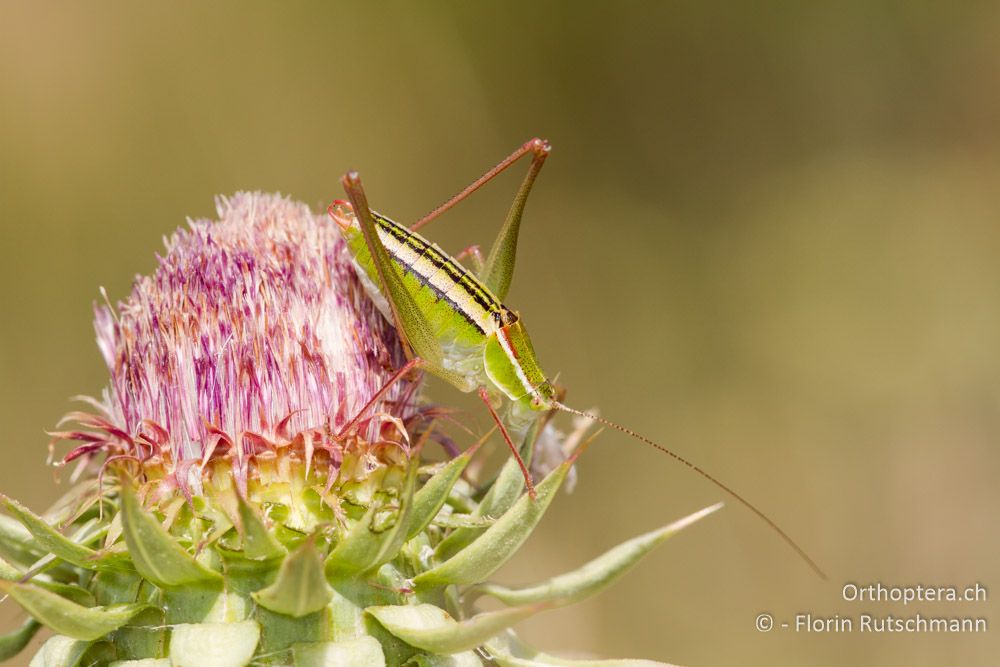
<point x="485" y="395"/>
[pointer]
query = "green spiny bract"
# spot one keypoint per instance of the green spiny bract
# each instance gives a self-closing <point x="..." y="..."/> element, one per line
<point x="236" y="500"/>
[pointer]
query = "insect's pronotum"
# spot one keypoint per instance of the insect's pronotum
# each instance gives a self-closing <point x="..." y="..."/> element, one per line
<point x="452" y="320"/>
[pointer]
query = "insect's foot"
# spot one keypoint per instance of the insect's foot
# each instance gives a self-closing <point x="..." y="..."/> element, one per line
<point x="341" y="213"/>
<point x="539" y="147"/>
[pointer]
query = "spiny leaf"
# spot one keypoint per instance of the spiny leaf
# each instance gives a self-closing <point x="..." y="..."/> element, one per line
<point x="16" y="543"/>
<point x="69" y="618"/>
<point x="363" y="652"/>
<point x="463" y="521"/>
<point x="258" y="543"/>
<point x="8" y="572"/>
<point x="154" y="552"/>
<point x="12" y="642"/>
<point x="429" y="500"/>
<point x="40" y="578"/>
<point x="77" y="500"/>
<point x="597" y="574"/>
<point x="465" y="659"/>
<point x="71" y="592"/>
<point x="216" y="644"/>
<point x="59" y="651"/>
<point x="430" y="628"/>
<point x="116" y="586"/>
<point x="500" y="541"/>
<point x="49" y="538"/>
<point x="544" y="660"/>
<point x="301" y="587"/>
<point x="503" y="493"/>
<point x="508" y="651"/>
<point x="356" y="549"/>
<point x="363" y="549"/>
<point x="394" y="538"/>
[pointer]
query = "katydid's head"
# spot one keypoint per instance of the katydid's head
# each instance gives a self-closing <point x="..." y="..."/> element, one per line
<point x="510" y="363"/>
<point x="544" y="397"/>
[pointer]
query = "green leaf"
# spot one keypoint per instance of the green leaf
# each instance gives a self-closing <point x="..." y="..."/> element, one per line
<point x="301" y="587"/>
<point x="145" y="662"/>
<point x="507" y="651"/>
<point x="463" y="521"/>
<point x="356" y="549"/>
<point x="500" y="497"/>
<point x="79" y="499"/>
<point x="362" y="652"/>
<point x="258" y="543"/>
<point x="49" y="538"/>
<point x="500" y="541"/>
<point x="597" y="574"/>
<point x="59" y="651"/>
<point x="544" y="660"/>
<point x="16" y="543"/>
<point x="430" y="628"/>
<point x="363" y="549"/>
<point x="13" y="642"/>
<point x="154" y="552"/>
<point x="465" y="659"/>
<point x="8" y="572"/>
<point x="431" y="497"/>
<point x="69" y="618"/>
<point x="216" y="644"/>
<point x="71" y="592"/>
<point x="503" y="493"/>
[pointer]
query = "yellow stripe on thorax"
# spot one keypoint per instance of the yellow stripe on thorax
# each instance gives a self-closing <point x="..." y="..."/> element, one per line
<point x="443" y="275"/>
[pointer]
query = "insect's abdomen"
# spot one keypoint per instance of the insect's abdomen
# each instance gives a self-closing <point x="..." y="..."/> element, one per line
<point x="459" y="308"/>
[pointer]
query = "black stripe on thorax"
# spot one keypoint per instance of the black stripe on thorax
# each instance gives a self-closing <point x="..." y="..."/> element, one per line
<point x="439" y="295"/>
<point x="439" y="260"/>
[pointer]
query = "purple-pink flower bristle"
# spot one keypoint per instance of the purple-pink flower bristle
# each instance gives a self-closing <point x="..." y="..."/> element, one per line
<point x="252" y="334"/>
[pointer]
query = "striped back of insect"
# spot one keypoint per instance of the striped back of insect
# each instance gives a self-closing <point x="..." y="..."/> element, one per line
<point x="483" y="340"/>
<point x="460" y="309"/>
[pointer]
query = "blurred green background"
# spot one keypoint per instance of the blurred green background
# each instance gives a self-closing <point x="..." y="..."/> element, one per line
<point x="768" y="235"/>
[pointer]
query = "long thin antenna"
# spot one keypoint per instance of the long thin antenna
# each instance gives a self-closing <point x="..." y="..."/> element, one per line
<point x="802" y="554"/>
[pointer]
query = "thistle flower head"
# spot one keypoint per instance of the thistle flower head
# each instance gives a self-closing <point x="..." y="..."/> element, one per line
<point x="251" y="339"/>
<point x="262" y="508"/>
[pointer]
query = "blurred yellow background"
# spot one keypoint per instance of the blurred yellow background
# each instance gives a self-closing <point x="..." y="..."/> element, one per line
<point x="768" y="235"/>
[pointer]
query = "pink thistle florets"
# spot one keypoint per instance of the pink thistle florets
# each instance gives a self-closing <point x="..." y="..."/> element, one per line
<point x="252" y="338"/>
